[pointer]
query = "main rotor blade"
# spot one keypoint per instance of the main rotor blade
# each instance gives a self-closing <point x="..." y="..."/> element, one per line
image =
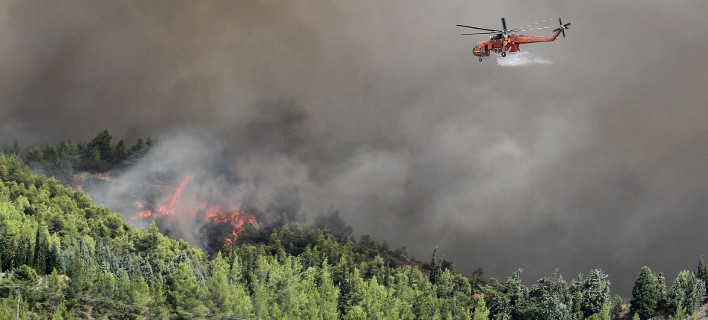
<point x="539" y="28"/>
<point x="504" y="24"/>
<point x="567" y="24"/>
<point x="469" y="34"/>
<point x="478" y="28"/>
<point x="531" y="25"/>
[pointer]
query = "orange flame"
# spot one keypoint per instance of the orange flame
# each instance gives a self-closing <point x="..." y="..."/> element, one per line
<point x="143" y="213"/>
<point x="237" y="217"/>
<point x="167" y="205"/>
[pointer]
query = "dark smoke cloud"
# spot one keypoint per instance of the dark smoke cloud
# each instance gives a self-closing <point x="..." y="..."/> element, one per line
<point x="596" y="160"/>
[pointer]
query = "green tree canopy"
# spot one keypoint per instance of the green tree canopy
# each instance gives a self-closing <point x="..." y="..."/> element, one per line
<point x="645" y="294"/>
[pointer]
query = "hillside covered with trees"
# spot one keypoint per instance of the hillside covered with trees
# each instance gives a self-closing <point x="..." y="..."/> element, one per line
<point x="63" y="257"/>
<point x="67" y="158"/>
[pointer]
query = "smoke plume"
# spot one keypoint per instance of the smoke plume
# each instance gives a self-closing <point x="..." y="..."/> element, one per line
<point x="379" y="109"/>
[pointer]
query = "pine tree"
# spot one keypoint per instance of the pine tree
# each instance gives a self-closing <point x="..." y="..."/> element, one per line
<point x="605" y="312"/>
<point x="102" y="143"/>
<point x="138" y="149"/>
<point x="139" y="297"/>
<point x="55" y="288"/>
<point x="702" y="272"/>
<point x="687" y="291"/>
<point x="327" y="294"/>
<point x="480" y="311"/>
<point x="120" y="152"/>
<point x="645" y="294"/>
<point x="186" y="294"/>
<point x="679" y="314"/>
<point x="61" y="313"/>
<point x="518" y="294"/>
<point x="35" y="155"/>
<point x="552" y="297"/>
<point x="4" y="173"/>
<point x="663" y="294"/>
<point x="434" y="268"/>
<point x="695" y="293"/>
<point x="39" y="257"/>
<point x="158" y="302"/>
<point x="92" y="160"/>
<point x="579" y="315"/>
<point x="16" y="148"/>
<point x="677" y="293"/>
<point x="596" y="292"/>
<point x="226" y="297"/>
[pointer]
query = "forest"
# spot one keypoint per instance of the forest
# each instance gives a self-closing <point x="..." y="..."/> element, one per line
<point x="66" y="158"/>
<point x="64" y="257"/>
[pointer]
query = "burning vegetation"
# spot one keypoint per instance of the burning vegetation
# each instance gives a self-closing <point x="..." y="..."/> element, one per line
<point x="177" y="209"/>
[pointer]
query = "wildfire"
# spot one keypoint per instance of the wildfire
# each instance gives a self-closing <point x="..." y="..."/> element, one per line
<point x="167" y="205"/>
<point x="236" y="218"/>
<point x="142" y="213"/>
<point x="232" y="221"/>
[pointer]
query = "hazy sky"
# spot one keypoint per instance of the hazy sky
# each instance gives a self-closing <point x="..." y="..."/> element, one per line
<point x="595" y="159"/>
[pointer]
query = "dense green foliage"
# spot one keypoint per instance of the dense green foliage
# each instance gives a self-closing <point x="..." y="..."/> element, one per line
<point x="645" y="294"/>
<point x="687" y="292"/>
<point x="63" y="257"/>
<point x="67" y="158"/>
<point x="702" y="272"/>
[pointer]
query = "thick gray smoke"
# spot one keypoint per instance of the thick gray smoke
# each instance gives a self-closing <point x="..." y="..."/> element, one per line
<point x="379" y="109"/>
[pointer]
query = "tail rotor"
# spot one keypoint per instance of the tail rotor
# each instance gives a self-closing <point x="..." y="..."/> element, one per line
<point x="562" y="26"/>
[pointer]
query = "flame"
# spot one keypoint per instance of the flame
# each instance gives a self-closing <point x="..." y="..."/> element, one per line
<point x="167" y="205"/>
<point x="235" y="218"/>
<point x="142" y="213"/>
<point x="169" y="208"/>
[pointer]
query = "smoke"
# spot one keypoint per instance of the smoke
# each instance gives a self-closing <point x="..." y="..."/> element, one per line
<point x="520" y="59"/>
<point x="189" y="174"/>
<point x="173" y="184"/>
<point x="380" y="110"/>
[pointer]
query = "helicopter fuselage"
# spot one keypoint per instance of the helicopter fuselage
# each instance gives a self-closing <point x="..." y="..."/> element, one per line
<point x="511" y="43"/>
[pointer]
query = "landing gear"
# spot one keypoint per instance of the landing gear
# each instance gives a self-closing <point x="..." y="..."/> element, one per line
<point x="480" y="59"/>
<point x="503" y="54"/>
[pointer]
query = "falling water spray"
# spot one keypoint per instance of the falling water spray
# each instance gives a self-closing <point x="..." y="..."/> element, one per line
<point x="519" y="59"/>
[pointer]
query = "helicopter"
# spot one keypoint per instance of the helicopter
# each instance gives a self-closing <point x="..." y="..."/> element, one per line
<point x="505" y="40"/>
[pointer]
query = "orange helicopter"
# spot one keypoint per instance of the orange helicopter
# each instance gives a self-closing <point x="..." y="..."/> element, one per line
<point x="505" y="40"/>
